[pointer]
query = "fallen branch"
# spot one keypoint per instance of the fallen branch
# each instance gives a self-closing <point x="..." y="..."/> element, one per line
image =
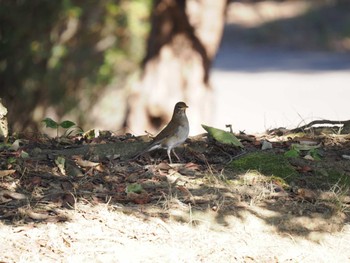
<point x="344" y="129"/>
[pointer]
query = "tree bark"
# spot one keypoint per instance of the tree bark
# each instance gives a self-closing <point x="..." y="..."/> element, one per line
<point x="183" y="41"/>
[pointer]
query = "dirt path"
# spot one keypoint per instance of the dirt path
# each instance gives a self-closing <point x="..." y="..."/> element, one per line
<point x="259" y="89"/>
<point x="272" y="68"/>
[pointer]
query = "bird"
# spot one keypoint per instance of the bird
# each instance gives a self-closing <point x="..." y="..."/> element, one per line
<point x="174" y="134"/>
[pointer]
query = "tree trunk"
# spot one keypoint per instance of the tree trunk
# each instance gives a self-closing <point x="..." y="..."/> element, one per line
<point x="183" y="41"/>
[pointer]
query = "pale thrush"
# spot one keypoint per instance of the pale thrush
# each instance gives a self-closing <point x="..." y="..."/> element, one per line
<point x="174" y="134"/>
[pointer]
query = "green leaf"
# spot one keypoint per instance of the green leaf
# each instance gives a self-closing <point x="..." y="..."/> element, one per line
<point x="304" y="147"/>
<point x="67" y="124"/>
<point x="24" y="155"/>
<point x="60" y="162"/>
<point x="315" y="154"/>
<point x="50" y="123"/>
<point x="11" y="160"/>
<point x="15" y="145"/>
<point x="292" y="153"/>
<point x="223" y="136"/>
<point x="134" y="188"/>
<point x="90" y="134"/>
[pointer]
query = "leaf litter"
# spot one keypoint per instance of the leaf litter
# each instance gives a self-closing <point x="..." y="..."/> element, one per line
<point x="198" y="210"/>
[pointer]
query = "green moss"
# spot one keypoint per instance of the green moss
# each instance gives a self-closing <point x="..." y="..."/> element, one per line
<point x="267" y="164"/>
<point x="337" y="177"/>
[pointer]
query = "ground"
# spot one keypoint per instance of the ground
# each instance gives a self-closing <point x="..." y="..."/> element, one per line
<point x="219" y="204"/>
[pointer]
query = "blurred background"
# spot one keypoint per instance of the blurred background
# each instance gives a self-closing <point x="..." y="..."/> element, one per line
<point x="122" y="65"/>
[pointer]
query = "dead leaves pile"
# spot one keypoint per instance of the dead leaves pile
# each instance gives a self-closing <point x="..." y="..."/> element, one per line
<point x="43" y="189"/>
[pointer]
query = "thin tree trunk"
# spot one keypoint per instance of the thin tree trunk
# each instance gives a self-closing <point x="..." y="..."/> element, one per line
<point x="183" y="41"/>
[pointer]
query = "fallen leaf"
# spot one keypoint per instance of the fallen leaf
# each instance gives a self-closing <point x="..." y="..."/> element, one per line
<point x="36" y="180"/>
<point x="68" y="201"/>
<point x="6" y="172"/>
<point x="305" y="169"/>
<point x="84" y="163"/>
<point x="140" y="199"/>
<point x="185" y="171"/>
<point x="15" y="145"/>
<point x="60" y="162"/>
<point x="223" y="136"/>
<point x="13" y="195"/>
<point x="24" y="154"/>
<point x="66" y="242"/>
<point x="188" y="195"/>
<point x="164" y="166"/>
<point x="307" y="194"/>
<point x="304" y="147"/>
<point x="192" y="166"/>
<point x="307" y="141"/>
<point x="309" y="157"/>
<point x="32" y="214"/>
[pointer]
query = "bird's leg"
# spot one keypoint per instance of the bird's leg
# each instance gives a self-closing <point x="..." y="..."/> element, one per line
<point x="169" y="154"/>
<point x="176" y="155"/>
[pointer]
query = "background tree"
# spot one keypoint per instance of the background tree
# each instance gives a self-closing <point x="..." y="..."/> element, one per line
<point x="61" y="59"/>
<point x="183" y="41"/>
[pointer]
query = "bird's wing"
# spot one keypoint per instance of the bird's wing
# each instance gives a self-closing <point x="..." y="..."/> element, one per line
<point x="165" y="133"/>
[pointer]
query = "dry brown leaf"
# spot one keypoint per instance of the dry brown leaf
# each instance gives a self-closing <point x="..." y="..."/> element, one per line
<point x="142" y="198"/>
<point x="84" y="163"/>
<point x="6" y="172"/>
<point x="304" y="169"/>
<point x="32" y="214"/>
<point x="164" y="166"/>
<point x="307" y="194"/>
<point x="188" y="195"/>
<point x="68" y="200"/>
<point x="13" y="195"/>
<point x="188" y="172"/>
<point x="192" y="166"/>
<point x="66" y="242"/>
<point x="36" y="180"/>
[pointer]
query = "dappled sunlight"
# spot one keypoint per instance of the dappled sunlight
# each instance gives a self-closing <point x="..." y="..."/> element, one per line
<point x="106" y="207"/>
<point x="109" y="232"/>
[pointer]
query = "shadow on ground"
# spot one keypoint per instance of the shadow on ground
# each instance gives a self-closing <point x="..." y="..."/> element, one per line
<point x="201" y="190"/>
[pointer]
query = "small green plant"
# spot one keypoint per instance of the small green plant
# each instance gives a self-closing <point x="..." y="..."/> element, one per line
<point x="296" y="151"/>
<point x="134" y="188"/>
<point x="67" y="125"/>
<point x="293" y="152"/>
<point x="315" y="154"/>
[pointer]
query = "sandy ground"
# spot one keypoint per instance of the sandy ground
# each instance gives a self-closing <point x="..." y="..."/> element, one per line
<point x="102" y="234"/>
<point x="258" y="89"/>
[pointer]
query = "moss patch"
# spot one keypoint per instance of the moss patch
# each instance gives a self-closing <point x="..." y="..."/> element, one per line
<point x="268" y="164"/>
<point x="333" y="177"/>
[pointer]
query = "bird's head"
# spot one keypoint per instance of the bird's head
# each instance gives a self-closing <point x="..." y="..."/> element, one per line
<point x="180" y="107"/>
